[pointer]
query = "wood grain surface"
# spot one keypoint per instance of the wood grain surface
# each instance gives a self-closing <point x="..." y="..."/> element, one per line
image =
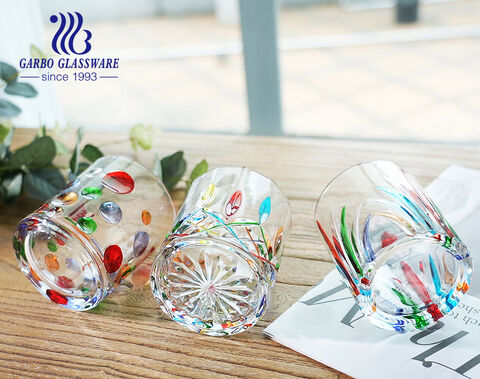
<point x="127" y="336"/>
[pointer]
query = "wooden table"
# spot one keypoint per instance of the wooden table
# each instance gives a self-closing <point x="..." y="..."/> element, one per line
<point x="128" y="336"/>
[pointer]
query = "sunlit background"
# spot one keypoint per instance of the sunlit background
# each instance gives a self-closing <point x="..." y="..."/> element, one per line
<point x="346" y="68"/>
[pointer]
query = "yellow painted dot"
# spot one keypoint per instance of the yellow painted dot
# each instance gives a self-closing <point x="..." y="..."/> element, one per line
<point x="68" y="198"/>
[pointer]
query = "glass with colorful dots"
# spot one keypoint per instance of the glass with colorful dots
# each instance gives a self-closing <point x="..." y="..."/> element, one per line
<point x="216" y="269"/>
<point x="402" y="261"/>
<point x="79" y="246"/>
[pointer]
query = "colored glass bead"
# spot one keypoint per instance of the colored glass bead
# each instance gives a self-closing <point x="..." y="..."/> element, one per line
<point x="112" y="258"/>
<point x="91" y="193"/>
<point x="51" y="262"/>
<point x="51" y="246"/>
<point x="140" y="243"/>
<point x="119" y="182"/>
<point x="87" y="225"/>
<point x="57" y="297"/>
<point x="73" y="265"/>
<point x="111" y="212"/>
<point x="146" y="217"/>
<point x="68" y="198"/>
<point x="65" y="282"/>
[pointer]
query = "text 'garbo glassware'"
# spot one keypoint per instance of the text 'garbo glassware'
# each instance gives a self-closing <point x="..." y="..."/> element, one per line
<point x="401" y="259"/>
<point x="79" y="246"/>
<point x="217" y="267"/>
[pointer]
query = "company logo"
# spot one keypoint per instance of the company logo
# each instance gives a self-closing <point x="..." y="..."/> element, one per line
<point x="64" y="38"/>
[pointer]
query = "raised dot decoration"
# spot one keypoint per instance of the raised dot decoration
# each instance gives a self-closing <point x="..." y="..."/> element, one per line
<point x="146" y="217"/>
<point x="264" y="210"/>
<point x="51" y="262"/>
<point x="52" y="246"/>
<point x="68" y="198"/>
<point x="119" y="182"/>
<point x="140" y="243"/>
<point x="73" y="265"/>
<point x="112" y="258"/>
<point x="87" y="225"/>
<point x="65" y="282"/>
<point x="208" y="196"/>
<point x="111" y="212"/>
<point x="233" y="204"/>
<point x="57" y="297"/>
<point x="91" y="193"/>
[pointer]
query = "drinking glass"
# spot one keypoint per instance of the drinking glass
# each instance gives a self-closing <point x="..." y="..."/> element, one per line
<point x="81" y="244"/>
<point x="216" y="268"/>
<point x="398" y="255"/>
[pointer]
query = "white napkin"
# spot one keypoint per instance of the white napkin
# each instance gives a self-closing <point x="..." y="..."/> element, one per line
<point x="327" y="326"/>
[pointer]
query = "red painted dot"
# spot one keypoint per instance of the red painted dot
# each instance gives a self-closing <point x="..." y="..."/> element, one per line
<point x="57" y="297"/>
<point x="118" y="182"/>
<point x="388" y="239"/>
<point x="60" y="241"/>
<point x="112" y="258"/>
<point x="65" y="282"/>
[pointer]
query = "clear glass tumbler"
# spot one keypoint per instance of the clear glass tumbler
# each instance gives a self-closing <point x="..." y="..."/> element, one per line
<point x="216" y="269"/>
<point x="401" y="259"/>
<point x="80" y="245"/>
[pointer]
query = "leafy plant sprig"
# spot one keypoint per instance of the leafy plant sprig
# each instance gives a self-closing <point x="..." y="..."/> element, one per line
<point x="31" y="169"/>
<point x="11" y="86"/>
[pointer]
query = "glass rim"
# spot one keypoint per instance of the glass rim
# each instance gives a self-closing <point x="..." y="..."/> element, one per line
<point x="256" y="172"/>
<point x="147" y="171"/>
<point x="344" y="171"/>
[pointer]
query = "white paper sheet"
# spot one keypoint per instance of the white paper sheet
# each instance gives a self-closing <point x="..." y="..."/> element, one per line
<point x="327" y="325"/>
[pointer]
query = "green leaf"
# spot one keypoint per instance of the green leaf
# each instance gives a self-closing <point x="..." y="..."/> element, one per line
<point x="8" y="109"/>
<point x="74" y="160"/>
<point x="43" y="183"/>
<point x="11" y="187"/>
<point x="157" y="167"/>
<point x="61" y="148"/>
<point x="91" y="153"/>
<point x="82" y="166"/>
<point x="173" y="168"/>
<point x="6" y="141"/>
<point x="20" y="89"/>
<point x="199" y="170"/>
<point x="4" y="130"/>
<point x="8" y="73"/>
<point x="141" y="135"/>
<point x="36" y="52"/>
<point x="39" y="153"/>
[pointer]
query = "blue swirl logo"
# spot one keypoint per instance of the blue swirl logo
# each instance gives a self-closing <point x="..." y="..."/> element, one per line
<point x="64" y="39"/>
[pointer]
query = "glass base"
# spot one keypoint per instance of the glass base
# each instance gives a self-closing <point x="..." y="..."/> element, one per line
<point x="211" y="286"/>
<point x="60" y="262"/>
<point x="415" y="283"/>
